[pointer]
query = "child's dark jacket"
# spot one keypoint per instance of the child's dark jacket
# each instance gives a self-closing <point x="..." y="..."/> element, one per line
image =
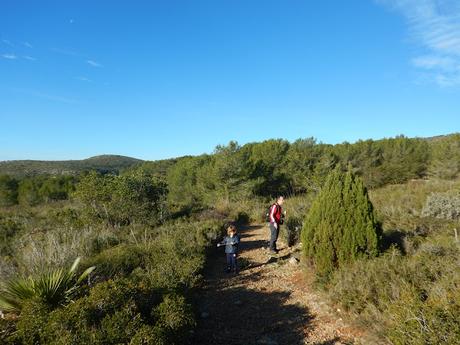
<point x="231" y="244"/>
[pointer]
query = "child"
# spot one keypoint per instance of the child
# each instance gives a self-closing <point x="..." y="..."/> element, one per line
<point x="231" y="248"/>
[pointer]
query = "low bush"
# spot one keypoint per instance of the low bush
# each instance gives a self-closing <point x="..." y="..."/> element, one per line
<point x="410" y="299"/>
<point x="442" y="206"/>
<point x="120" y="260"/>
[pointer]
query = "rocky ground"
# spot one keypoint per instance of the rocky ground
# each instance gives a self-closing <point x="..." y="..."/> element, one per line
<point x="271" y="301"/>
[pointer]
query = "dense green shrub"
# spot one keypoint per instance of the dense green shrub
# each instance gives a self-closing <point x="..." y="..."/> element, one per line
<point x="8" y="190"/>
<point x="9" y="228"/>
<point x="120" y="311"/>
<point x="32" y="191"/>
<point x="33" y="319"/>
<point x="175" y="316"/>
<point x="150" y="335"/>
<point x="120" y="260"/>
<point x="177" y="255"/>
<point x="340" y="226"/>
<point x="121" y="200"/>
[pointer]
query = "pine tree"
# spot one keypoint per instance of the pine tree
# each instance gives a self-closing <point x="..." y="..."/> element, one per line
<point x="341" y="225"/>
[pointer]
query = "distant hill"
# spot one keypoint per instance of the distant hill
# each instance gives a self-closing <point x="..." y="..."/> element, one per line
<point x="102" y="163"/>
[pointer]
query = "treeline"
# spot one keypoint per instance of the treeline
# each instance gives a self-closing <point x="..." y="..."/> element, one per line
<point x="279" y="167"/>
<point x="235" y="172"/>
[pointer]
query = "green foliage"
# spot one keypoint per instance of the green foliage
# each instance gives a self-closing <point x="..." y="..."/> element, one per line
<point x="175" y="316"/>
<point x="300" y="162"/>
<point x="446" y="157"/>
<point x="8" y="190"/>
<point x="109" y="315"/>
<point x="120" y="260"/>
<point x="150" y="335"/>
<point x="267" y="162"/>
<point x="9" y="228"/>
<point x="340" y="226"/>
<point x="52" y="288"/>
<point x="408" y="299"/>
<point x="29" y="192"/>
<point x="121" y="311"/>
<point x="166" y="266"/>
<point x="120" y="200"/>
<point x="386" y="161"/>
<point x="32" y="191"/>
<point x="185" y="182"/>
<point x="33" y="319"/>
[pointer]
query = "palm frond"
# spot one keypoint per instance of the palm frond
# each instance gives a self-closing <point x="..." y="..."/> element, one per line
<point x="53" y="288"/>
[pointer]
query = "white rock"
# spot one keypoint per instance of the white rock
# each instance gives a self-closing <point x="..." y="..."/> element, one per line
<point x="293" y="261"/>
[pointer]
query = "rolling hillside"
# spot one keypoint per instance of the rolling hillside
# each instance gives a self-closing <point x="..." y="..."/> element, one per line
<point x="103" y="163"/>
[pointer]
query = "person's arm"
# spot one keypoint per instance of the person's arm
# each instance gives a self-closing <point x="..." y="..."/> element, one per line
<point x="272" y="214"/>
<point x="222" y="243"/>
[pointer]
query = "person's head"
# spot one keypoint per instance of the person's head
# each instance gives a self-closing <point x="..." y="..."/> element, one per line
<point x="280" y="200"/>
<point x="231" y="230"/>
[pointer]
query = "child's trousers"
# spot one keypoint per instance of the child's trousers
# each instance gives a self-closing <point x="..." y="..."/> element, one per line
<point x="231" y="262"/>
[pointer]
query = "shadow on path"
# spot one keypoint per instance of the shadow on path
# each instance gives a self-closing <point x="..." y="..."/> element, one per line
<point x="233" y="310"/>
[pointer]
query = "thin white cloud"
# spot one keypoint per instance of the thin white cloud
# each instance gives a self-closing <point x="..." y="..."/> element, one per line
<point x="28" y="45"/>
<point x="27" y="57"/>
<point x="43" y="95"/>
<point x="434" y="25"/>
<point x="66" y="52"/>
<point x="93" y="63"/>
<point x="9" y="56"/>
<point x="7" y="42"/>
<point x="435" y="62"/>
<point x="84" y="79"/>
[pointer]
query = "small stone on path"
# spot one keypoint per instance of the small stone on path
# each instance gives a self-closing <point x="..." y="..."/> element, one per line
<point x="293" y="261"/>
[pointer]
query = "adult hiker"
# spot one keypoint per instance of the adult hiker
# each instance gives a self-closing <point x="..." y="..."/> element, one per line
<point x="276" y="219"/>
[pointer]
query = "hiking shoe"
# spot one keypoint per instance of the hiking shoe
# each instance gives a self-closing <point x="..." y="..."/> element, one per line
<point x="228" y="270"/>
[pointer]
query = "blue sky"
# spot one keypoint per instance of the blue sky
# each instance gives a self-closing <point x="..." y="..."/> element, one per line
<point x="158" y="79"/>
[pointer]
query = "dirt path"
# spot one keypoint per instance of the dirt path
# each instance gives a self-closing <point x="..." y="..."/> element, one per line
<point x="268" y="302"/>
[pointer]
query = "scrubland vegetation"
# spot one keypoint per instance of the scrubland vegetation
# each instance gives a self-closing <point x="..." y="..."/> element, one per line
<point x="377" y="220"/>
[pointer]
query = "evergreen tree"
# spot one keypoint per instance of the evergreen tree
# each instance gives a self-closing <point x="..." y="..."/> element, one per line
<point x="341" y="225"/>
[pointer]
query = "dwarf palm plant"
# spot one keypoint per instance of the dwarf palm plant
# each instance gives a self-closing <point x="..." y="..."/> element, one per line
<point x="53" y="288"/>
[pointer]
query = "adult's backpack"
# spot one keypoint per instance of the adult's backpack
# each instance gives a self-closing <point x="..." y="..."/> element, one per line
<point x="267" y="213"/>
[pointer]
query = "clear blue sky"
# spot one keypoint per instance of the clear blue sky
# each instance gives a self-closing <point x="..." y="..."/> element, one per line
<point x="158" y="79"/>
